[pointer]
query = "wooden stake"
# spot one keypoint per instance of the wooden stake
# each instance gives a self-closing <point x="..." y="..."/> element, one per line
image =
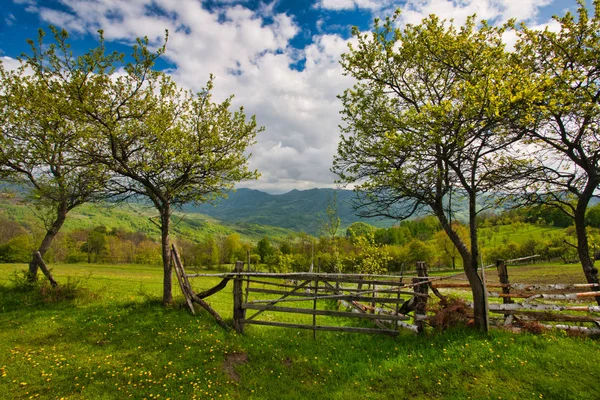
<point x="239" y="314"/>
<point x="44" y="268"/>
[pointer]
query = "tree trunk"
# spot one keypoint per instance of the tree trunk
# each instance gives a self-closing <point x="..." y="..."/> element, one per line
<point x="165" y="216"/>
<point x="61" y="216"/>
<point x="469" y="264"/>
<point x="477" y="285"/>
<point x="583" y="248"/>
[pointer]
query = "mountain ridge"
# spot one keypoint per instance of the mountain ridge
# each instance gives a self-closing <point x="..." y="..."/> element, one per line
<point x="299" y="210"/>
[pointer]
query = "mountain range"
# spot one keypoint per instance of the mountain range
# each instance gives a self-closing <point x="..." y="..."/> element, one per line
<point x="298" y="210"/>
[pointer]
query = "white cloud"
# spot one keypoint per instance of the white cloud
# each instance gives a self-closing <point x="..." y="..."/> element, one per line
<point x="352" y="4"/>
<point x="498" y="11"/>
<point x="10" y="63"/>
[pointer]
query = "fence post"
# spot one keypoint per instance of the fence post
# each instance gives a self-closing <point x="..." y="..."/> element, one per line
<point x="503" y="277"/>
<point x="420" y="301"/>
<point x="239" y="314"/>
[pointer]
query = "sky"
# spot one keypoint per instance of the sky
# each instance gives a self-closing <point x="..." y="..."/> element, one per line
<point x="279" y="58"/>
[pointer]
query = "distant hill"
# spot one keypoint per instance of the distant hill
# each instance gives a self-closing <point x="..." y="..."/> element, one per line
<point x="137" y="218"/>
<point x="298" y="210"/>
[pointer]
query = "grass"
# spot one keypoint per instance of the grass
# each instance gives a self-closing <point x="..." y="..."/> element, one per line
<point x="114" y="340"/>
<point x="518" y="233"/>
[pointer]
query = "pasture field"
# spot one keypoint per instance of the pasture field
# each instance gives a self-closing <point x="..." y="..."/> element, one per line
<point x="113" y="340"/>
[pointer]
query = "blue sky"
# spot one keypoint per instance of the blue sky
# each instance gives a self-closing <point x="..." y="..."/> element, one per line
<point x="279" y="58"/>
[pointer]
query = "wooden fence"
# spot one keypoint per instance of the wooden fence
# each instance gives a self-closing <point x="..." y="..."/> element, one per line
<point x="558" y="306"/>
<point x="389" y="303"/>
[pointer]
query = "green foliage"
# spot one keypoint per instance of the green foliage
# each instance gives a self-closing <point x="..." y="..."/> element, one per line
<point x="264" y="249"/>
<point x="372" y="259"/>
<point x="17" y="250"/>
<point x="592" y="216"/>
<point x="360" y="229"/>
<point x="562" y="115"/>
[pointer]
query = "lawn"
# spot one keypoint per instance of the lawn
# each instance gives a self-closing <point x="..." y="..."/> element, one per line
<point x="115" y="341"/>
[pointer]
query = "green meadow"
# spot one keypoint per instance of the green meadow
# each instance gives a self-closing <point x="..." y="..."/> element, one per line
<point x="106" y="336"/>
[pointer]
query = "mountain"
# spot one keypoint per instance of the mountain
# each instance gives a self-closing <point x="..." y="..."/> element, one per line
<point x="299" y="210"/>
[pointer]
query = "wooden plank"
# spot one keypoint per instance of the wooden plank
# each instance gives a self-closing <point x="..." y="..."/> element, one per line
<point x="324" y="328"/>
<point x="283" y="298"/>
<point x="542" y="307"/>
<point x="359" y="308"/>
<point x="305" y="275"/>
<point x="564" y="296"/>
<point x="548" y="316"/>
<point x="354" y="278"/>
<point x="176" y="262"/>
<point x="311" y="295"/>
<point x="215" y="289"/>
<point x="331" y="313"/>
<point x="40" y="262"/>
<point x="578" y="329"/>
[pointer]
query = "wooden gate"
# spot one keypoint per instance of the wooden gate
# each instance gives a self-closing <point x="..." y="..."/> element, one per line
<point x="318" y="301"/>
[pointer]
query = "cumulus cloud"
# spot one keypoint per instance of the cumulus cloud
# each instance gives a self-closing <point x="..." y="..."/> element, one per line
<point x="497" y="11"/>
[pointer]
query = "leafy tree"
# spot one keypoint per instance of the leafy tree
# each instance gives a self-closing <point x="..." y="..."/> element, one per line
<point x="96" y="243"/>
<point x="264" y="249"/>
<point x="165" y="144"/>
<point x="330" y="226"/>
<point x="419" y="251"/>
<point x="40" y="140"/>
<point x="426" y="119"/>
<point x="373" y="258"/>
<point x="564" y="114"/>
<point x="592" y="217"/>
<point x="360" y="229"/>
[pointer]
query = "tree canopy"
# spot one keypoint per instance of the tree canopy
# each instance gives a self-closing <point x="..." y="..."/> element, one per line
<point x="564" y="115"/>
<point x="430" y="116"/>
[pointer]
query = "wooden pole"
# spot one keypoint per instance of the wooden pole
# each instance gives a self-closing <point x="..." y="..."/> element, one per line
<point x="239" y="314"/>
<point x="314" y="309"/>
<point x="44" y="268"/>
<point x="420" y="300"/>
<point x="503" y="277"/>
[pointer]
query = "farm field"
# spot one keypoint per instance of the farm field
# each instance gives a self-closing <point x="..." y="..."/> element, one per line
<point x="114" y="341"/>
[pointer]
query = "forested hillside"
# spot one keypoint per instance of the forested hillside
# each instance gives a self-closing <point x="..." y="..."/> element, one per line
<point x="296" y="210"/>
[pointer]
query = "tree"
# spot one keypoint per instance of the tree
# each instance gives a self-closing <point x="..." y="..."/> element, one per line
<point x="564" y="115"/>
<point x="40" y="139"/>
<point x="330" y="226"/>
<point x="165" y="144"/>
<point x="360" y="229"/>
<point x="426" y="119"/>
<point x="96" y="243"/>
<point x="264" y="249"/>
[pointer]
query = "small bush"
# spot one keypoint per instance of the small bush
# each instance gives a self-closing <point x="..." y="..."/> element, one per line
<point x="43" y="291"/>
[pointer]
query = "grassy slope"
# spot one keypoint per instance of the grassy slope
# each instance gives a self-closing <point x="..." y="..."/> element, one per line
<point x="518" y="234"/>
<point x="118" y="342"/>
<point x="136" y="218"/>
